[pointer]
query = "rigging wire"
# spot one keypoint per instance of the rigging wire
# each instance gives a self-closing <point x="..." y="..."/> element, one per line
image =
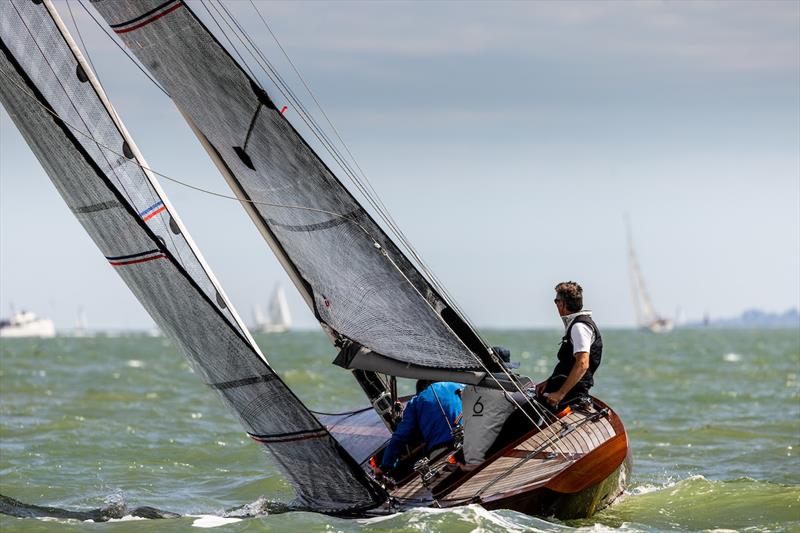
<point x="319" y="133"/>
<point x="75" y="107"/>
<point x="286" y="90"/>
<point x="80" y="36"/>
<point x="308" y="119"/>
<point x="289" y="94"/>
<point x="153" y="193"/>
<point x="373" y="195"/>
<point x="175" y="180"/>
<point x="135" y="161"/>
<point x="133" y="59"/>
<point x="368" y="190"/>
<point x="236" y="50"/>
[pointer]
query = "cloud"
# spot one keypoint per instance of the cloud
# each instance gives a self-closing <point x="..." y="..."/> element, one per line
<point x="711" y="35"/>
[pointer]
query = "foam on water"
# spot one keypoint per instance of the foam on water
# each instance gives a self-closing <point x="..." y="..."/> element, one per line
<point x="210" y="520"/>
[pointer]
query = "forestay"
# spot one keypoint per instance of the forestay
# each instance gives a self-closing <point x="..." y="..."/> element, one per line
<point x="360" y="286"/>
<point x="59" y="107"/>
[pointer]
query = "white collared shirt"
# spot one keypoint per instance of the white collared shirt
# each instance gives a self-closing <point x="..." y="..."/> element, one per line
<point x="582" y="335"/>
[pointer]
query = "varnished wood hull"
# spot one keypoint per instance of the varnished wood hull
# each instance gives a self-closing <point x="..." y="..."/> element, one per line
<point x="571" y="468"/>
<point x="564" y="506"/>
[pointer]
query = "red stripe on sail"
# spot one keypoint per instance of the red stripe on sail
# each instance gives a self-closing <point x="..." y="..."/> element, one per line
<point x="135" y="261"/>
<point x="151" y="19"/>
<point x="154" y="213"/>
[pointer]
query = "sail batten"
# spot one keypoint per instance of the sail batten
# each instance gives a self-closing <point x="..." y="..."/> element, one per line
<point x="48" y="89"/>
<point x="357" y="282"/>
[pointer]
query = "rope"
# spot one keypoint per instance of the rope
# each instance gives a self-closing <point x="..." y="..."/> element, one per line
<point x="441" y="407"/>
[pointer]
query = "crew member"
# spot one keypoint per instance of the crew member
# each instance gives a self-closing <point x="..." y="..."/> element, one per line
<point x="429" y="417"/>
<point x="580" y="352"/>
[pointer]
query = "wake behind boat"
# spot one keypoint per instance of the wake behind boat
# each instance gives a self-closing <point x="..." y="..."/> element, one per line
<point x="381" y="308"/>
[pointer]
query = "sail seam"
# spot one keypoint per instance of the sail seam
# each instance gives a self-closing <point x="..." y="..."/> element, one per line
<point x="344" y="219"/>
<point x="93" y="208"/>
<point x="290" y="436"/>
<point x="242" y="382"/>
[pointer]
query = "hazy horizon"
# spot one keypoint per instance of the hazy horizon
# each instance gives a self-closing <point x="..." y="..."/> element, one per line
<point x="508" y="140"/>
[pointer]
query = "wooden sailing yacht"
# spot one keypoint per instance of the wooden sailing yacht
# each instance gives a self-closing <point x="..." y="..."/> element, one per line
<point x="381" y="307"/>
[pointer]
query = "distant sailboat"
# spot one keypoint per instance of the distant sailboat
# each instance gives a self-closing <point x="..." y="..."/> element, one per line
<point x="81" y="329"/>
<point x="277" y="319"/>
<point x="646" y="316"/>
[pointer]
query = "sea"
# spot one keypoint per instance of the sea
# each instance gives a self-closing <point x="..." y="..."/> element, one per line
<point x="713" y="418"/>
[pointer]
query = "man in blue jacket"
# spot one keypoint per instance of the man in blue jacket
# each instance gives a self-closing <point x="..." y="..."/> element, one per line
<point x="428" y="417"/>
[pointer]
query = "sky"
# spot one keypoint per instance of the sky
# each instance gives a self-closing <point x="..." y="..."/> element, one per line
<point x="508" y="140"/>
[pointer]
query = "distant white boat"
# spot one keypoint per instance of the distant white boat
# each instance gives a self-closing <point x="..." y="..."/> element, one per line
<point x="646" y="316"/>
<point x="277" y="319"/>
<point x="27" y="324"/>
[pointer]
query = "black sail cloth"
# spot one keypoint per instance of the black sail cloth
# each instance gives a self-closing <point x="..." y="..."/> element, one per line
<point x="97" y="171"/>
<point x="357" y="282"/>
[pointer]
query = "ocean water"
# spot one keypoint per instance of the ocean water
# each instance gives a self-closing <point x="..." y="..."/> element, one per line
<point x="713" y="417"/>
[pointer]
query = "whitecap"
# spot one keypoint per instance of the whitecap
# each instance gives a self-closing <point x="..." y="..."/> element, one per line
<point x="210" y="520"/>
<point x="135" y="363"/>
<point x="732" y="357"/>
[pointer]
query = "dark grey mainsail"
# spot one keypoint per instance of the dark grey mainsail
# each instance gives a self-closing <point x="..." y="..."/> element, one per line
<point x="60" y="108"/>
<point x="360" y="286"/>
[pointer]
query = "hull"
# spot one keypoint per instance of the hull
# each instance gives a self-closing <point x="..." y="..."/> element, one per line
<point x="565" y="506"/>
<point x="570" y="468"/>
<point x="36" y="328"/>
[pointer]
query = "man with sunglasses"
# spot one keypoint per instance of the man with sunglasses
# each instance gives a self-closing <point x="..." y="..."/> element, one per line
<point x="579" y="354"/>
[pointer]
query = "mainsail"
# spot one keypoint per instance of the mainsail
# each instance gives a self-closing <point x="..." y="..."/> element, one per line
<point x="61" y="110"/>
<point x="279" y="316"/>
<point x="359" y="285"/>
<point x="646" y="316"/>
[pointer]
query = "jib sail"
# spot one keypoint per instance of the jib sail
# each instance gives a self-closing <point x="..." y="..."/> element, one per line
<point x="60" y="108"/>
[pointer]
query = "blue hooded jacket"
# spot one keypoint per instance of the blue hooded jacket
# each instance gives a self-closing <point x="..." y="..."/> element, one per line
<point x="423" y="421"/>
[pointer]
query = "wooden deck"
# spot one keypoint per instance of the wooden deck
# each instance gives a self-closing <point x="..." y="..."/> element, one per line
<point x="536" y="460"/>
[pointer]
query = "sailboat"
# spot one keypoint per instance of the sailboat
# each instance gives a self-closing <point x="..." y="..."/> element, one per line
<point x="278" y="319"/>
<point x="387" y="315"/>
<point x="646" y="316"/>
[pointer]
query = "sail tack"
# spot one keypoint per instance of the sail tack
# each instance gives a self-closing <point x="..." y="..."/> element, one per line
<point x="357" y="282"/>
<point x="62" y="112"/>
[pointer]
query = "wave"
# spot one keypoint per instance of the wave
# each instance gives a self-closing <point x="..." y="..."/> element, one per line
<point x="697" y="503"/>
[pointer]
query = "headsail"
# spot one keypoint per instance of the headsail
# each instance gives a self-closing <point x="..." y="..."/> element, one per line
<point x="360" y="286"/>
<point x="60" y="108"/>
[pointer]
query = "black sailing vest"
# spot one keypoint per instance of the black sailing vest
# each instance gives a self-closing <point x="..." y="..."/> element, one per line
<point x="566" y="360"/>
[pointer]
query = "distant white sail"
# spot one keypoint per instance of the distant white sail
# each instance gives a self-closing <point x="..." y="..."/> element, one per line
<point x="646" y="316"/>
<point x="278" y="318"/>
